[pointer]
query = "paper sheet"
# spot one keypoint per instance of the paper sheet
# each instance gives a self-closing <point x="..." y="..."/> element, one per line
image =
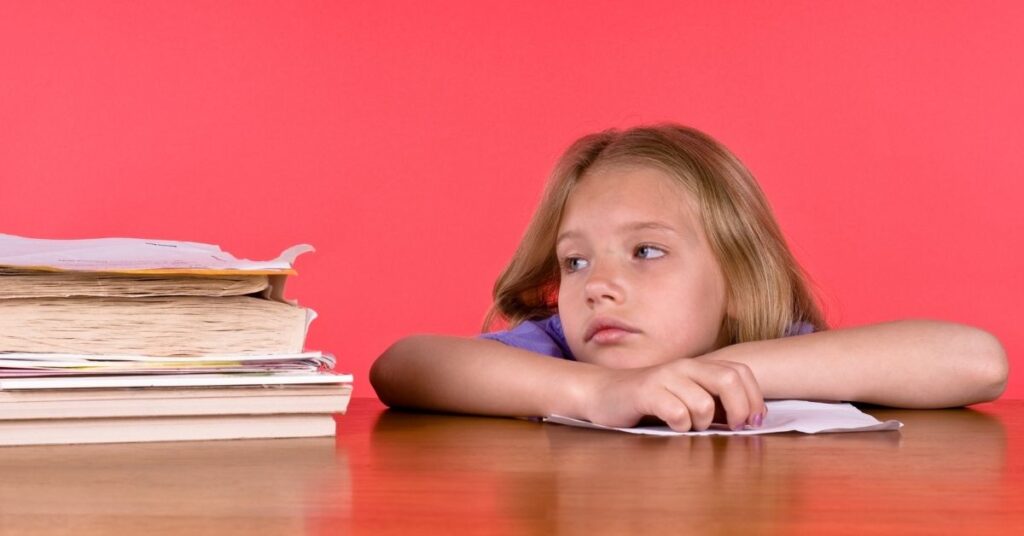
<point x="133" y="254"/>
<point x="783" y="416"/>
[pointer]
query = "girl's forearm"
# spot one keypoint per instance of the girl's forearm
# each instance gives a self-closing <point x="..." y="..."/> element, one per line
<point x="912" y="364"/>
<point x="477" y="376"/>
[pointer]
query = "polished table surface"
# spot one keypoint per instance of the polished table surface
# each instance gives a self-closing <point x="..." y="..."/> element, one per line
<point x="388" y="472"/>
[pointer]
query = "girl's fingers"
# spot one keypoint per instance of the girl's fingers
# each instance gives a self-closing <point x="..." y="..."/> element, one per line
<point x="668" y="407"/>
<point x="698" y="401"/>
<point x="754" y="396"/>
<point x="731" y="386"/>
<point x="683" y="394"/>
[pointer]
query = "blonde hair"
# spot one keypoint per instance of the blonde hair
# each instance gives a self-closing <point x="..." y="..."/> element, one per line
<point x="766" y="289"/>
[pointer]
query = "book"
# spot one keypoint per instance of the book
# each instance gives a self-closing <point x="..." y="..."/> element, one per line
<point x="135" y="430"/>
<point x="167" y="402"/>
<point x="22" y="283"/>
<point x="171" y="380"/>
<point x="161" y="298"/>
<point x="159" y="326"/>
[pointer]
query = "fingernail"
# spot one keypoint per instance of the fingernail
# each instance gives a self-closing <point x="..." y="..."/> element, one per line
<point x="758" y="419"/>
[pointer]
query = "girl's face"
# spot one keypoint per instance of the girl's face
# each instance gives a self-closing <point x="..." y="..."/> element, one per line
<point x="639" y="283"/>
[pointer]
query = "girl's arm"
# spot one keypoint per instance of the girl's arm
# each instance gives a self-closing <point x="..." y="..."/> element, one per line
<point x="910" y="364"/>
<point x="486" y="377"/>
<point x="477" y="376"/>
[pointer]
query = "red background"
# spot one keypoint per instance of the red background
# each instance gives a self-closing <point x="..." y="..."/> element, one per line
<point x="409" y="141"/>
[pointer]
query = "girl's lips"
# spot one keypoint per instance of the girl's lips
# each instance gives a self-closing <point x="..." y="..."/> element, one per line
<point x="610" y="335"/>
<point x="607" y="331"/>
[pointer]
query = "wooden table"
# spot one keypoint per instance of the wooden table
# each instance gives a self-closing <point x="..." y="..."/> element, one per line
<point x="950" y="471"/>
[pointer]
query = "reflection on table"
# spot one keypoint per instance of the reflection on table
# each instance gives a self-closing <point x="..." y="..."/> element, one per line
<point x="946" y="470"/>
<point x="391" y="472"/>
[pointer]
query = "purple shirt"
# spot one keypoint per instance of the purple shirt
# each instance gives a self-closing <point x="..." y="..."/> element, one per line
<point x="546" y="336"/>
<point x="541" y="336"/>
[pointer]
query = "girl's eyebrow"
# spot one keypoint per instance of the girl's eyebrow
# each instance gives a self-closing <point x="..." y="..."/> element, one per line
<point x="566" y="235"/>
<point x="632" y="226"/>
<point x="649" y="225"/>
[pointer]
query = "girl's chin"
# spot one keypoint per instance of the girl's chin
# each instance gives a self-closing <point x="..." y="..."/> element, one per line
<point x="619" y="359"/>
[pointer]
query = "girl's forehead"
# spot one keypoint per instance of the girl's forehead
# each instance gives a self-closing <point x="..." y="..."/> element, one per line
<point x="642" y="186"/>
<point x="612" y="197"/>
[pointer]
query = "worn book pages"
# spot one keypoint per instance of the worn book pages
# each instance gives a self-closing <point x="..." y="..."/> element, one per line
<point x="20" y="283"/>
<point x="163" y="326"/>
<point x="139" y="256"/>
<point x="131" y="255"/>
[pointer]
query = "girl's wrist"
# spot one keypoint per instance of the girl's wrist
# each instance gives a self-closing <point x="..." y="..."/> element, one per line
<point x="751" y="354"/>
<point x="580" y="389"/>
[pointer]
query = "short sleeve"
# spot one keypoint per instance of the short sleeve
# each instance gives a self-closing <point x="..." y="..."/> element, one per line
<point x="539" y="336"/>
<point x="799" y="328"/>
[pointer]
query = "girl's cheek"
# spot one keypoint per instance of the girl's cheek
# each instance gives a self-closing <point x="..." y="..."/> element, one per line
<point x="581" y="355"/>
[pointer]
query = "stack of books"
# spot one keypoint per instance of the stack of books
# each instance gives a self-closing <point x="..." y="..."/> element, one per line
<point x="126" y="340"/>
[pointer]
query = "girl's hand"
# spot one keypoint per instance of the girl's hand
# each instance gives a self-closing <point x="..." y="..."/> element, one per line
<point x="682" y="393"/>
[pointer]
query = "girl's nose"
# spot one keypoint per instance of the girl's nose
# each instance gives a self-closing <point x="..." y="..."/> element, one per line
<point x="602" y="286"/>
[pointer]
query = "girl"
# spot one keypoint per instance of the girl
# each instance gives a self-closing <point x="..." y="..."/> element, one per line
<point x="654" y="281"/>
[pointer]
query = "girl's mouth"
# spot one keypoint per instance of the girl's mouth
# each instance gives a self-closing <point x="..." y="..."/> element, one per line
<point x="607" y="331"/>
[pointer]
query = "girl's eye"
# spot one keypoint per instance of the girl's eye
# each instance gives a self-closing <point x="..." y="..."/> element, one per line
<point x="649" y="252"/>
<point x="573" y="264"/>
